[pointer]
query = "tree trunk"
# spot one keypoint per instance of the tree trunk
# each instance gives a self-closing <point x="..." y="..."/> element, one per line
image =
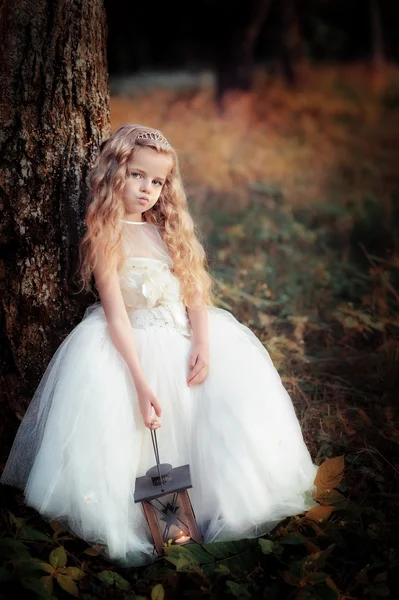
<point x="377" y="42"/>
<point x="237" y="34"/>
<point x="54" y="107"/>
<point x="292" y="47"/>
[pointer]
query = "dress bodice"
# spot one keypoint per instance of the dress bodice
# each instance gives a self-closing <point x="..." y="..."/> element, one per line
<point x="151" y="292"/>
<point x="148" y="282"/>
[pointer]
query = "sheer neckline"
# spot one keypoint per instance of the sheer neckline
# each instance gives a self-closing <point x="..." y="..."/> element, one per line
<point x="134" y="222"/>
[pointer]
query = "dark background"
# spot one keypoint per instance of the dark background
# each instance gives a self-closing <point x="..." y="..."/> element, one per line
<point x="159" y="35"/>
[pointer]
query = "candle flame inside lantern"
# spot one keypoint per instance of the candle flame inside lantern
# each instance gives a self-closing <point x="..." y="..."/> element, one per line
<point x="182" y="539"/>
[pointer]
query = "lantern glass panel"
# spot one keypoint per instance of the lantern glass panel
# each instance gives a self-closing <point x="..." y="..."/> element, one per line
<point x="170" y="515"/>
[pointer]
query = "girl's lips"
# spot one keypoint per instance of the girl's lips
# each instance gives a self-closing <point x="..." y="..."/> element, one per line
<point x="143" y="200"/>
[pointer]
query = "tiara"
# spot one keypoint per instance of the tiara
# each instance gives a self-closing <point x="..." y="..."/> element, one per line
<point x="155" y="136"/>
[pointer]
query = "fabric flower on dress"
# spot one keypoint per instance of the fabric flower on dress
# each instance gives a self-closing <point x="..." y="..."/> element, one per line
<point x="145" y="285"/>
<point x="160" y="286"/>
<point x="90" y="497"/>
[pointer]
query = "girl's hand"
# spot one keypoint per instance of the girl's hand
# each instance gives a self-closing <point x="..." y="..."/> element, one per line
<point x="150" y="407"/>
<point x="199" y="363"/>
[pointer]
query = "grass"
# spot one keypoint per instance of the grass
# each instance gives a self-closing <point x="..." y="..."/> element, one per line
<point x="296" y="193"/>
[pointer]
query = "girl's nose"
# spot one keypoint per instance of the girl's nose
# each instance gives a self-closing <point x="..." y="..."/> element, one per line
<point x="145" y="186"/>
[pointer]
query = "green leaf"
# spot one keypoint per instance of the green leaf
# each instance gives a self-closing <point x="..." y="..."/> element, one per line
<point x="121" y="582"/>
<point x="238" y="590"/>
<point x="214" y="550"/>
<point x="180" y="556"/>
<point x="266" y="545"/>
<point x="58" y="557"/>
<point x="28" y="565"/>
<point x="291" y="539"/>
<point x="221" y="569"/>
<point x="12" y="547"/>
<point x="317" y="577"/>
<point x="379" y="589"/>
<point x="225" y="549"/>
<point x="320" y="558"/>
<point x="37" y="585"/>
<point x="298" y="567"/>
<point x="200" y="555"/>
<point x="179" y="563"/>
<point x="18" y="522"/>
<point x="29" y="533"/>
<point x="176" y="551"/>
<point x="107" y="577"/>
<point x="324" y="592"/>
<point x="232" y="555"/>
<point x="5" y="575"/>
<point x="240" y="563"/>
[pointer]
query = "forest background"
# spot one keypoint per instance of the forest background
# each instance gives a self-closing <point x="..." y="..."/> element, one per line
<point x="285" y="114"/>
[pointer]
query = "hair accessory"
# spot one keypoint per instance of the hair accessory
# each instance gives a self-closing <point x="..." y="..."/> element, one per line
<point x="155" y="136"/>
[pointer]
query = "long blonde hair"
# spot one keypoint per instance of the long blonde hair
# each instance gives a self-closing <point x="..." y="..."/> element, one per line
<point x="170" y="214"/>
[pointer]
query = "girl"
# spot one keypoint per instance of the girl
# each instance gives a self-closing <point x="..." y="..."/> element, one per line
<point x="154" y="352"/>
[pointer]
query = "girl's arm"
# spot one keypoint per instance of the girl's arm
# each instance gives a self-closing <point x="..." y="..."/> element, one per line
<point x="198" y="317"/>
<point x="121" y="333"/>
<point x="199" y="357"/>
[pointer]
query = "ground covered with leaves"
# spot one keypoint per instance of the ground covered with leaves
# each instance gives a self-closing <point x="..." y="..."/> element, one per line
<point x="296" y="194"/>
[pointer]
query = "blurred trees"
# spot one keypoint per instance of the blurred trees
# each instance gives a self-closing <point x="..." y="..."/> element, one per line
<point x="234" y="44"/>
<point x="231" y="37"/>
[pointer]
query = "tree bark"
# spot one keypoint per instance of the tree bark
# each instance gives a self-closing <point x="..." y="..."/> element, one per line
<point x="54" y="107"/>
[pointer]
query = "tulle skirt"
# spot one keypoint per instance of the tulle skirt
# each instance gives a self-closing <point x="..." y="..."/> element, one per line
<point x="82" y="441"/>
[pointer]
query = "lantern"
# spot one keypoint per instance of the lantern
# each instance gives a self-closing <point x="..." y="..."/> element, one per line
<point x="166" y="503"/>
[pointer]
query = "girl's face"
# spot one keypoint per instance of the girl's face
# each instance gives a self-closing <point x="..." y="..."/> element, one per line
<point x="147" y="171"/>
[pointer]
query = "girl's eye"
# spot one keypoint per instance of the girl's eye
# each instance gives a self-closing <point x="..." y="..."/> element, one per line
<point x="157" y="182"/>
<point x="134" y="174"/>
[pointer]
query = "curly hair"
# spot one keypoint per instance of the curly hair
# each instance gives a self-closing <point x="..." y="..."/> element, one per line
<point x="105" y="210"/>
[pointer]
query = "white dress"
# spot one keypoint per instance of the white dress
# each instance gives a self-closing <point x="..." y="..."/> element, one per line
<point x="82" y="441"/>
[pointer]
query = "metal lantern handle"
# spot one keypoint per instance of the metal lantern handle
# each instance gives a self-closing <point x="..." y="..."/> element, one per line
<point x="156" y="452"/>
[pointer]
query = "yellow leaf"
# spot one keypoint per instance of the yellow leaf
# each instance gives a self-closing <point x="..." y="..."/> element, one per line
<point x="58" y="557"/>
<point x="332" y="585"/>
<point x="289" y="578"/>
<point x="74" y="572"/>
<point x="91" y="551"/>
<point x="329" y="498"/>
<point x="311" y="546"/>
<point x="56" y="526"/>
<point x="329" y="474"/>
<point x="364" y="416"/>
<point x="47" y="582"/>
<point x="181" y="562"/>
<point x="317" y="529"/>
<point x="67" y="584"/>
<point x="157" y="592"/>
<point x="319" y="513"/>
<point x="46" y="567"/>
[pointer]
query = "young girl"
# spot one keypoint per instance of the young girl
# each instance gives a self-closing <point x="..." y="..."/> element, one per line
<point x="156" y="352"/>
